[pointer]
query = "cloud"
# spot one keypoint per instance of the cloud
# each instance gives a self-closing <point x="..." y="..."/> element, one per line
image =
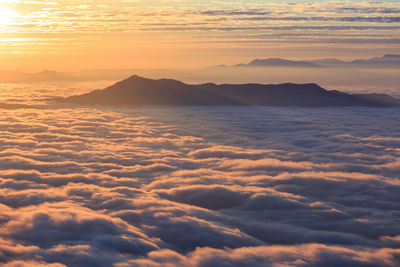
<point x="210" y="197"/>
<point x="203" y="186"/>
<point x="214" y="22"/>
<point x="305" y="255"/>
<point x="32" y="263"/>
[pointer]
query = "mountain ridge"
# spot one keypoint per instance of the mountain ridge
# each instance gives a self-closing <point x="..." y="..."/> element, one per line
<point x="15" y="76"/>
<point x="389" y="60"/>
<point x="279" y="62"/>
<point x="137" y="90"/>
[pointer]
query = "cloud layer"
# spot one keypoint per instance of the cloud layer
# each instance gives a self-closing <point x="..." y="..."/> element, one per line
<point x="94" y="29"/>
<point x="199" y="187"/>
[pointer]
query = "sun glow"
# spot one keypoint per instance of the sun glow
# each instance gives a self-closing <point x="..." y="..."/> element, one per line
<point x="7" y="15"/>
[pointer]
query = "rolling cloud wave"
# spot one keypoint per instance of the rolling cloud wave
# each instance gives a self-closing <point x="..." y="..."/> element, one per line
<point x="199" y="187"/>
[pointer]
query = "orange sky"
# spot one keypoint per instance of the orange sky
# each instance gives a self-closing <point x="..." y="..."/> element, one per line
<point x="76" y="35"/>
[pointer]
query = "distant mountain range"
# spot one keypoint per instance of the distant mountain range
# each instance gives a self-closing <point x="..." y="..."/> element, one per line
<point x="385" y="61"/>
<point x="279" y="62"/>
<point x="136" y="91"/>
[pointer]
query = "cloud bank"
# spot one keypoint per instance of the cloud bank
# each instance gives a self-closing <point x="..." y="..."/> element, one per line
<point x="210" y="186"/>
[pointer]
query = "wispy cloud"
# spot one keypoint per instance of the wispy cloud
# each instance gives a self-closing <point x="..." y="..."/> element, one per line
<point x="212" y="21"/>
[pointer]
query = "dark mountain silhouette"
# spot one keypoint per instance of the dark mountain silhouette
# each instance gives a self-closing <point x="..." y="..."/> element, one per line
<point x="385" y="61"/>
<point x="279" y="62"/>
<point x="391" y="57"/>
<point x="328" y="61"/>
<point x="389" y="60"/>
<point x="15" y="76"/>
<point x="136" y="91"/>
<point x="383" y="98"/>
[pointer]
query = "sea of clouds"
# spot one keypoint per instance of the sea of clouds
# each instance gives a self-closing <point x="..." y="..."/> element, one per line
<point x="199" y="186"/>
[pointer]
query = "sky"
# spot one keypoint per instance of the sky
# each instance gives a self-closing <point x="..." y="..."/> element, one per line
<point x="77" y="35"/>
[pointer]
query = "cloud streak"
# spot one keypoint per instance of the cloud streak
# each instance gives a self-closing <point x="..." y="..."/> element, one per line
<point x="159" y="24"/>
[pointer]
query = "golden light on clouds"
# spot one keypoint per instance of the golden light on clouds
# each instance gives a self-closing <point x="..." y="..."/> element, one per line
<point x="7" y="15"/>
<point x="228" y="133"/>
<point x="75" y="35"/>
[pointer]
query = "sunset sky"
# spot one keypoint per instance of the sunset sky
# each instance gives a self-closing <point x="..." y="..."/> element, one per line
<point x="132" y="136"/>
<point x="77" y="35"/>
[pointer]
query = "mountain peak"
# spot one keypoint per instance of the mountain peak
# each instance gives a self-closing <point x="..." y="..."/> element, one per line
<point x="137" y="90"/>
<point x="389" y="56"/>
<point x="279" y="62"/>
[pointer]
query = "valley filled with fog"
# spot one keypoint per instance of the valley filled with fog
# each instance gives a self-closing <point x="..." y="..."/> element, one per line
<point x="196" y="186"/>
